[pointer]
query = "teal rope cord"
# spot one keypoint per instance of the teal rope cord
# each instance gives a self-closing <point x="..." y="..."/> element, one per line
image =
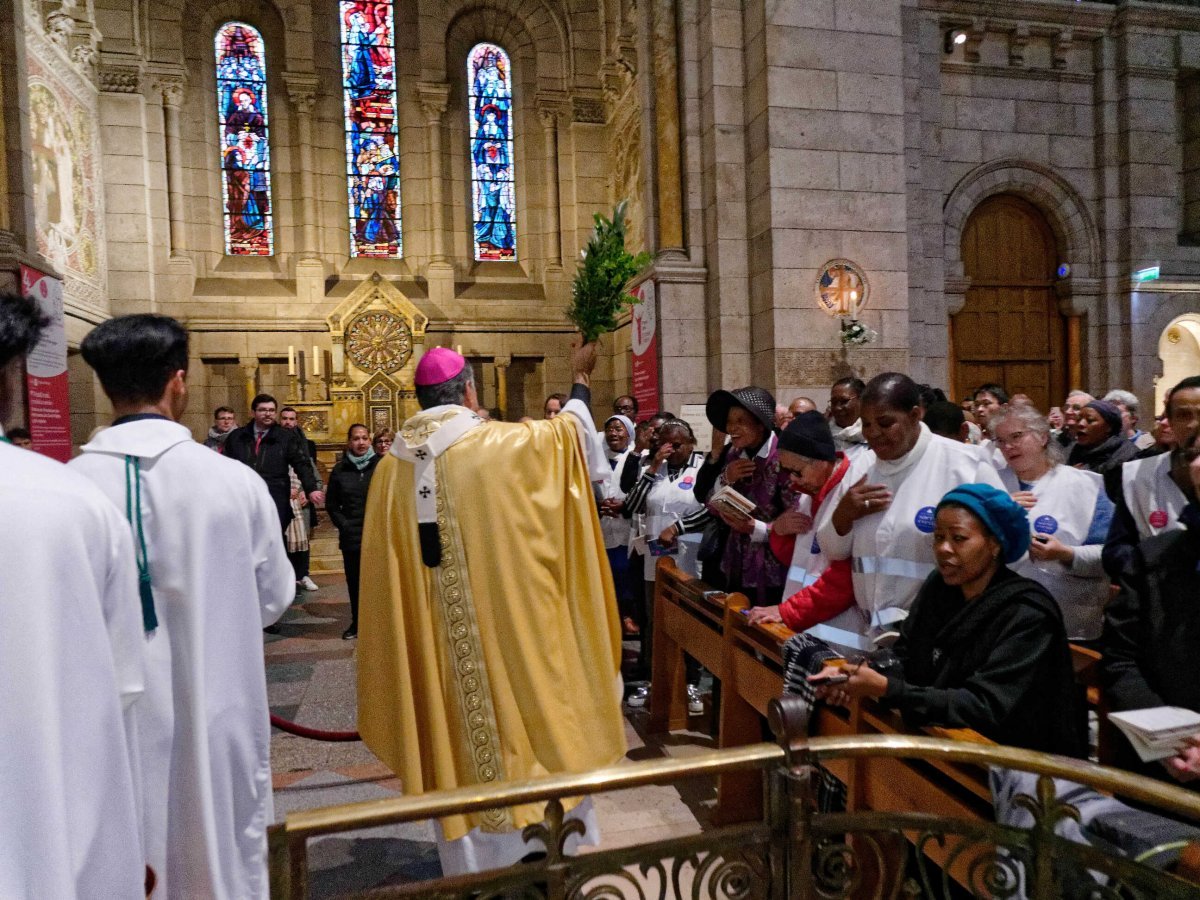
<point x="133" y="503"/>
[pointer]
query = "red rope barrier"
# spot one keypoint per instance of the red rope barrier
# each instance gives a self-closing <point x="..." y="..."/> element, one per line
<point x="313" y="733"/>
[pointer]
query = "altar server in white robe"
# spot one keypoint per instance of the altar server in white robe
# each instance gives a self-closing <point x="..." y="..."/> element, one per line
<point x="884" y="509"/>
<point x="71" y="666"/>
<point x="1149" y="493"/>
<point x="213" y="572"/>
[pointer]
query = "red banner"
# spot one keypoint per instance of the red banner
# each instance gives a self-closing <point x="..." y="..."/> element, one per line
<point x="47" y="386"/>
<point x="644" y="349"/>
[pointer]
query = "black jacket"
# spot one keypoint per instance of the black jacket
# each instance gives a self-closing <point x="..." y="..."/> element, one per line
<point x="1106" y="456"/>
<point x="1152" y="631"/>
<point x="279" y="450"/>
<point x="999" y="664"/>
<point x="346" y="500"/>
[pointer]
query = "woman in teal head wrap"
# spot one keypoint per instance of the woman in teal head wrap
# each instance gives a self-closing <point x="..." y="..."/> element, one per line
<point x="983" y="647"/>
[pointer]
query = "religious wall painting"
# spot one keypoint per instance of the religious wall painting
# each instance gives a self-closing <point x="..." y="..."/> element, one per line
<point x="242" y="119"/>
<point x="372" y="129"/>
<point x="493" y="187"/>
<point x="64" y="163"/>
<point x="842" y="288"/>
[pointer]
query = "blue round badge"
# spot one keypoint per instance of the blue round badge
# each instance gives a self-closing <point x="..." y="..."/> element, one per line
<point x="1045" y="525"/>
<point x="924" y="519"/>
<point x="685" y="484"/>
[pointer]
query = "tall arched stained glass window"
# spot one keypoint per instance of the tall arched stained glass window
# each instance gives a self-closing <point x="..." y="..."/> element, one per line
<point x="245" y="152"/>
<point x="493" y="191"/>
<point x="372" y="163"/>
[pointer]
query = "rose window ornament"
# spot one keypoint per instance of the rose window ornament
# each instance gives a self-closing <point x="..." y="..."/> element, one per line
<point x="379" y="342"/>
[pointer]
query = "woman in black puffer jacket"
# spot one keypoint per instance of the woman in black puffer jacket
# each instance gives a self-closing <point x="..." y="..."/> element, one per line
<point x="346" y="503"/>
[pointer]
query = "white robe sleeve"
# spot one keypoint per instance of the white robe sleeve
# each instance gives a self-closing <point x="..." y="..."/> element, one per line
<point x="122" y="610"/>
<point x="593" y="452"/>
<point x="273" y="572"/>
<point x="834" y="545"/>
<point x="1087" y="561"/>
<point x="987" y="474"/>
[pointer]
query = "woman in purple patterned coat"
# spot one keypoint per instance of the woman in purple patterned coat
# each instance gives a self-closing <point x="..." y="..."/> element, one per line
<point x="749" y="464"/>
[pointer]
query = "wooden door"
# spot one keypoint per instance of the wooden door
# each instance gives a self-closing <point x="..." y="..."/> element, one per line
<point x="1010" y="330"/>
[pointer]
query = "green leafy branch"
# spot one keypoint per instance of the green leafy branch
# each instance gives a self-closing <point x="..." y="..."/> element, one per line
<point x="600" y="291"/>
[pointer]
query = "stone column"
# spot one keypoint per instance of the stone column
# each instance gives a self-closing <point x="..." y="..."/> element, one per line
<point x="433" y="97"/>
<point x="501" y="364"/>
<point x="549" y="117"/>
<point x="667" y="151"/>
<point x="172" y="99"/>
<point x="302" y="91"/>
<point x="250" y="375"/>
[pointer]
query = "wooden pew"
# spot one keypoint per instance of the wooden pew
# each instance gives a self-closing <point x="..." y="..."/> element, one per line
<point x="747" y="660"/>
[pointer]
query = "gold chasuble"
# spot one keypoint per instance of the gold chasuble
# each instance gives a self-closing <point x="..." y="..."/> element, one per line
<point x="502" y="663"/>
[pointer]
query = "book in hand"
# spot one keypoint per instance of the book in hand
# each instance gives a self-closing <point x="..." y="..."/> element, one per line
<point x="727" y="500"/>
<point x="1158" y="732"/>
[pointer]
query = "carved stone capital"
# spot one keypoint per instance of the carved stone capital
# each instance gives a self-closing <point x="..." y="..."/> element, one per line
<point x="119" y="79"/>
<point x="433" y="96"/>
<point x="171" y="90"/>
<point x="85" y="55"/>
<point x="589" y="110"/>
<point x="502" y="362"/>
<point x="301" y="90"/>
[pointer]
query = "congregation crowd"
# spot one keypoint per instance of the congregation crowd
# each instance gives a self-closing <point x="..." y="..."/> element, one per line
<point x="952" y="551"/>
<point x="940" y="557"/>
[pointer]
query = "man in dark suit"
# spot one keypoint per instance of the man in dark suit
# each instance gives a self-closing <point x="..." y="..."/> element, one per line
<point x="269" y="449"/>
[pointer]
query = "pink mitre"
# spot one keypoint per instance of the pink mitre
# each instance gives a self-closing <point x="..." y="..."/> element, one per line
<point x="437" y="365"/>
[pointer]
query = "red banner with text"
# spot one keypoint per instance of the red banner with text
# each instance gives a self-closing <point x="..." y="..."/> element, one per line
<point x="47" y="387"/>
<point x="644" y="349"/>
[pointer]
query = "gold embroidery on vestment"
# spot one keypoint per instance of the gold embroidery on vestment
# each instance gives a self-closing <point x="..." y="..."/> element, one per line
<point x="466" y="654"/>
<point x="418" y="428"/>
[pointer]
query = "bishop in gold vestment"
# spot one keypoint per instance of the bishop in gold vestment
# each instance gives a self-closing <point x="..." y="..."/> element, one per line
<point x="489" y="641"/>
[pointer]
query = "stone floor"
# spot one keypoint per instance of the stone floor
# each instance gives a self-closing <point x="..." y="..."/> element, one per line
<point x="311" y="680"/>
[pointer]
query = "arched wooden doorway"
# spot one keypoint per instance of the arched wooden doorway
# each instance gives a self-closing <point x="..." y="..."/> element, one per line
<point x="1010" y="330"/>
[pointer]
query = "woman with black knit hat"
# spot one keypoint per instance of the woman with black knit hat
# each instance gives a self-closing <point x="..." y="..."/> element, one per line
<point x="750" y="465"/>
<point x="1100" y="443"/>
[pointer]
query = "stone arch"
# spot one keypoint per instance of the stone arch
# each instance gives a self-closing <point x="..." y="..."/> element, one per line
<point x="1065" y="210"/>
<point x="175" y="19"/>
<point x="532" y="29"/>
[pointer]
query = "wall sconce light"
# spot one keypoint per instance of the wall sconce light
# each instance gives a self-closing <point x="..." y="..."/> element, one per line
<point x="954" y="37"/>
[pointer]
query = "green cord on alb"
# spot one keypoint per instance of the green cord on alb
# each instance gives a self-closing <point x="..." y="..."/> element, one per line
<point x="600" y="290"/>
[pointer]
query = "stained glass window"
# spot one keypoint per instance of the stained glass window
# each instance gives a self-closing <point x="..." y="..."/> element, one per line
<point x="372" y="164"/>
<point x="245" y="153"/>
<point x="493" y="191"/>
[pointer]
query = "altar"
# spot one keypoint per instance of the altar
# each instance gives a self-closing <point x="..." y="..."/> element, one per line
<point x="377" y="336"/>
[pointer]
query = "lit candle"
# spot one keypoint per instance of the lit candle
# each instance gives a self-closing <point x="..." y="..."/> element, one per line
<point x="316" y="361"/>
<point x="291" y="361"/>
<point x="460" y="353"/>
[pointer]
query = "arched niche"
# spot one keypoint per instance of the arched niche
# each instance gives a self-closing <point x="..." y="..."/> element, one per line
<point x="1179" y="354"/>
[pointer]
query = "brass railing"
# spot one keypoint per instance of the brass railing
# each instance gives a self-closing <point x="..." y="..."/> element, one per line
<point x="792" y="850"/>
